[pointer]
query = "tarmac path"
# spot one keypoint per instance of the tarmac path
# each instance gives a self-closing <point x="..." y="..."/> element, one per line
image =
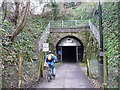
<point x="68" y="75"/>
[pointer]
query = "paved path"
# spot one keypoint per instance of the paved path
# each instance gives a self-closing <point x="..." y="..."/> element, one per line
<point x="68" y="75"/>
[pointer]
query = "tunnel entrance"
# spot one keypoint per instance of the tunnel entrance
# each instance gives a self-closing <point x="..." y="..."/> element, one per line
<point x="70" y="49"/>
<point x="69" y="54"/>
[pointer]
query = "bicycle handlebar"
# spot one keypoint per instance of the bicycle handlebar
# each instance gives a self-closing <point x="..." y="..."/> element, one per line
<point x="57" y="61"/>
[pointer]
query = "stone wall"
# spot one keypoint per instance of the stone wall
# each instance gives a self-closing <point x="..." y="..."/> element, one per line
<point x="83" y="34"/>
<point x="56" y="37"/>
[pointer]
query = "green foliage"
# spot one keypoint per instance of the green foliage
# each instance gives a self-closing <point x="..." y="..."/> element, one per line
<point x="27" y="40"/>
<point x="110" y="17"/>
<point x="55" y="11"/>
<point x="110" y="23"/>
<point x="111" y="34"/>
<point x="7" y="26"/>
<point x="85" y="11"/>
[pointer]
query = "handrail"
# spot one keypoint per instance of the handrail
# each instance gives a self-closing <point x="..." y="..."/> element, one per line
<point x="44" y="36"/>
<point x="68" y="23"/>
<point x="95" y="31"/>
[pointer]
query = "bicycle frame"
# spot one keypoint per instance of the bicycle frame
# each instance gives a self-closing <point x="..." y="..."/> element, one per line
<point x="50" y="70"/>
<point x="49" y="73"/>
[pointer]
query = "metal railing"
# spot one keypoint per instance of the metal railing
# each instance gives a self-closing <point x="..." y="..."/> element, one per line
<point x="59" y="24"/>
<point x="44" y="36"/>
<point x="95" y="31"/>
<point x="68" y="23"/>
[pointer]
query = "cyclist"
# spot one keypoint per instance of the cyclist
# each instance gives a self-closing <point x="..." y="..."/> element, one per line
<point x="50" y="60"/>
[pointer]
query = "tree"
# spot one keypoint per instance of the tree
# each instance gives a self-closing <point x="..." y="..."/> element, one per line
<point x="4" y="9"/>
<point x="23" y="20"/>
<point x="16" y="11"/>
<point x="55" y="8"/>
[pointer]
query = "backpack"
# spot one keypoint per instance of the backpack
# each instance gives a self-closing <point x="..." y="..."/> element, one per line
<point x="50" y="57"/>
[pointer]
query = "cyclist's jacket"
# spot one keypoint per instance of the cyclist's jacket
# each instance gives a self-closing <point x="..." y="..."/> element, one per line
<point x="52" y="60"/>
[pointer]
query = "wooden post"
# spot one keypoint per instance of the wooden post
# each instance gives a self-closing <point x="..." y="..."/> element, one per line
<point x="88" y="69"/>
<point x="105" y="71"/>
<point x="20" y="70"/>
<point x="41" y="66"/>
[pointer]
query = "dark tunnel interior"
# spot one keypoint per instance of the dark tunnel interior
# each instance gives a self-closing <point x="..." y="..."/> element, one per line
<point x="70" y="49"/>
<point x="69" y="54"/>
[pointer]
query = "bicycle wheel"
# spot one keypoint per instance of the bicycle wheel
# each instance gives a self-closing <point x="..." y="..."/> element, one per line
<point x="53" y="76"/>
<point x="49" y="78"/>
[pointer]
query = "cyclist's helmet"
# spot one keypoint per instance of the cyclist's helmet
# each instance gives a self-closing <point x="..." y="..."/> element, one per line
<point x="49" y="52"/>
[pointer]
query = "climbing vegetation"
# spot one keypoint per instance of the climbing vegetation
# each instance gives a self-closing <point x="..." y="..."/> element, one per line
<point x="27" y="40"/>
<point x="110" y="17"/>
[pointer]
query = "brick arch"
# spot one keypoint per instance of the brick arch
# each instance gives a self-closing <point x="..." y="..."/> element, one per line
<point x="56" y="37"/>
<point x="70" y="37"/>
<point x="65" y="49"/>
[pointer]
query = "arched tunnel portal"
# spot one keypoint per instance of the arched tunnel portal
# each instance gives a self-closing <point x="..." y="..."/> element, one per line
<point x="70" y="49"/>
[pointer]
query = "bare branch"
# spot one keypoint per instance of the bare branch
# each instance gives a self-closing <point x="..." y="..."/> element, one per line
<point x="23" y="21"/>
<point x="4" y="8"/>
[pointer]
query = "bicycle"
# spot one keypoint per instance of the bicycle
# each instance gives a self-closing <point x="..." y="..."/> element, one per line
<point x="50" y="76"/>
